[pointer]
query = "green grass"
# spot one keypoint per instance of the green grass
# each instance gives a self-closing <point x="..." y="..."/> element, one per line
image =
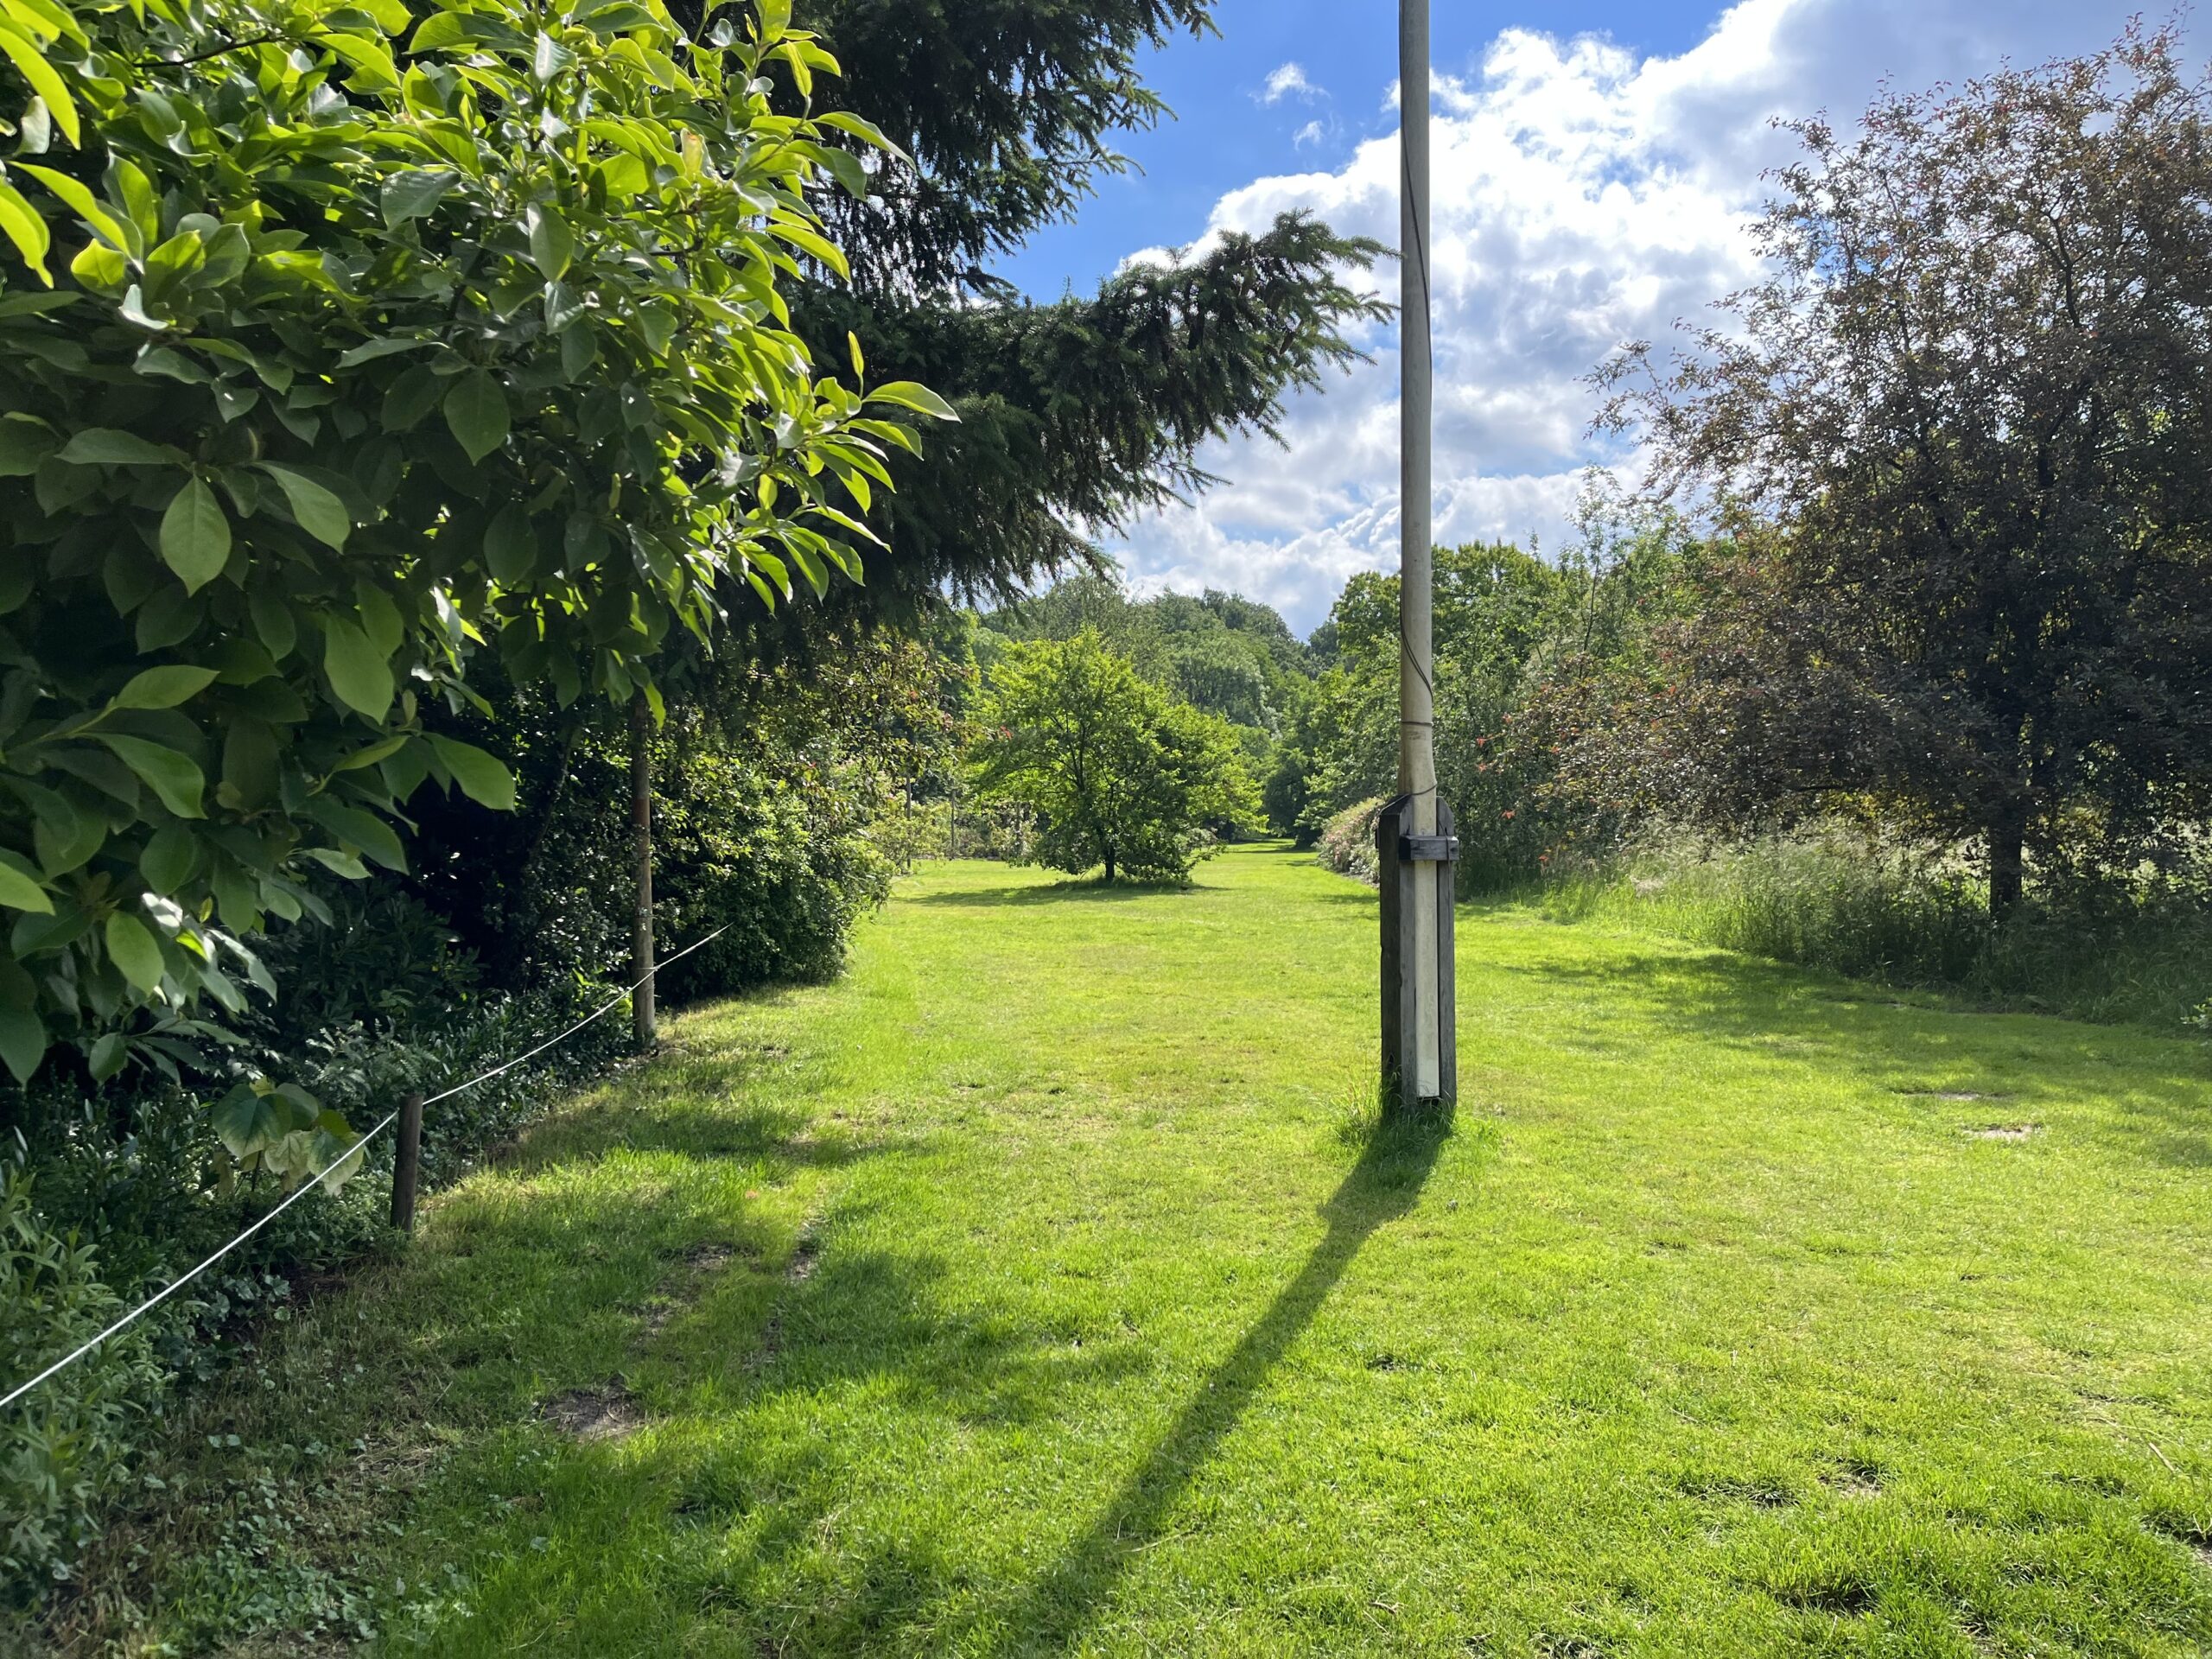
<point x="1042" y="1288"/>
<point x="1838" y="901"/>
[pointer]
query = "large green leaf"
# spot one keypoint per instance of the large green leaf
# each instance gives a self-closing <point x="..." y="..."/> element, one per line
<point x="552" y="245"/>
<point x="108" y="1054"/>
<point x="108" y="446"/>
<point x="22" y="226"/>
<point x="511" y="544"/>
<point x="481" y="776"/>
<point x="131" y="946"/>
<point x="46" y="80"/>
<point x="171" y="855"/>
<point x="320" y="511"/>
<point x="476" y="413"/>
<point x="163" y="688"/>
<point x="195" y="536"/>
<point x="362" y="829"/>
<point x="95" y="213"/>
<point x="909" y="394"/>
<point x="247" y="1121"/>
<point x="24" y="443"/>
<point x="171" y="776"/>
<point x="359" y="673"/>
<point x="22" y="1042"/>
<point x="413" y="194"/>
<point x="19" y="887"/>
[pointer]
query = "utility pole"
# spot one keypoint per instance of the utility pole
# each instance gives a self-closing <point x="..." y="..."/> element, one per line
<point x="1413" y="831"/>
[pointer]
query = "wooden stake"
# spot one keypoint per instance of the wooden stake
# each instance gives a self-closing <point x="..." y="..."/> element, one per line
<point x="407" y="1163"/>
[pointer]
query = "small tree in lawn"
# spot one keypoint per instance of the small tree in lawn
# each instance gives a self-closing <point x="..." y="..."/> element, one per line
<point x="1119" y="774"/>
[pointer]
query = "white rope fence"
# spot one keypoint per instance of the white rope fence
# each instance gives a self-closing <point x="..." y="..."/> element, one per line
<point x="309" y="1185"/>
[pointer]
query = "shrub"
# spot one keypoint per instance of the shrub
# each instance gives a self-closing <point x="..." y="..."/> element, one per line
<point x="787" y="871"/>
<point x="62" y="1443"/>
<point x="1347" y="842"/>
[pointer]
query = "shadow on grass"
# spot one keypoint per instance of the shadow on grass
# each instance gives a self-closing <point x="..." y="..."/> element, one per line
<point x="1382" y="1187"/>
<point x="1059" y="892"/>
<point x="1910" y="1043"/>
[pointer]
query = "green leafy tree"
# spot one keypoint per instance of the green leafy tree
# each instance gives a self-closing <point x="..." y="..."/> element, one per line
<point x="1964" y="428"/>
<point x="1119" y="773"/>
<point x="347" y="343"/>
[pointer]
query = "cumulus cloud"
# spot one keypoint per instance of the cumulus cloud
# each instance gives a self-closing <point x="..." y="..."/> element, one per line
<point x="1584" y="196"/>
<point x="1289" y="81"/>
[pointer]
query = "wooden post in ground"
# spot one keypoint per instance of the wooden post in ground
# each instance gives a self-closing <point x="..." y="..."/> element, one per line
<point x="407" y="1163"/>
<point x="641" y="824"/>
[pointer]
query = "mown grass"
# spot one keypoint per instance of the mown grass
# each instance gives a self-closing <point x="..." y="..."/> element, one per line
<point x="1043" y="1288"/>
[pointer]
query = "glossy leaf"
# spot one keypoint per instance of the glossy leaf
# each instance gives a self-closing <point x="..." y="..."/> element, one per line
<point x="359" y="673"/>
<point x="22" y="1042"/>
<point x="163" y="688"/>
<point x="20" y="888"/>
<point x="319" y="512"/>
<point x="106" y="445"/>
<point x="908" y="394"/>
<point x="172" y="776"/>
<point x="483" y="777"/>
<point x="131" y="946"/>
<point x="476" y="413"/>
<point x="195" y="536"/>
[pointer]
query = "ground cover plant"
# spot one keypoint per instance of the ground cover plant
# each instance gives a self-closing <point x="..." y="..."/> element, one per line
<point x="1006" y="1297"/>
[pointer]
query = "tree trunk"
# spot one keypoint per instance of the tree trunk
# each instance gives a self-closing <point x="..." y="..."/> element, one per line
<point x="641" y="821"/>
<point x="1109" y="866"/>
<point x="2007" y="862"/>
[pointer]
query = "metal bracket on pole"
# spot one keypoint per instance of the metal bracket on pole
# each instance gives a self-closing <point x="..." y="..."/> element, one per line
<point x="1400" y="851"/>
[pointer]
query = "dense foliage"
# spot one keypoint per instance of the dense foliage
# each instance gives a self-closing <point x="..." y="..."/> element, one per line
<point x="360" y="370"/>
<point x="1118" y="773"/>
<point x="768" y="797"/>
<point x="361" y="345"/>
<point x="1963" y="431"/>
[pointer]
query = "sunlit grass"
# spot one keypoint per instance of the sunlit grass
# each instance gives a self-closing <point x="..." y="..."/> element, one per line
<point x="1044" y="1288"/>
<point x="1836" y="902"/>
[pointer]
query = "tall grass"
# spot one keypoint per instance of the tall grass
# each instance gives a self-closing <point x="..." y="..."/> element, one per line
<point x="1839" y="902"/>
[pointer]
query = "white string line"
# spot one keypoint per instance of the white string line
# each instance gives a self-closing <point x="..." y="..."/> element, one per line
<point x="574" y="1029"/>
<point x="307" y="1186"/>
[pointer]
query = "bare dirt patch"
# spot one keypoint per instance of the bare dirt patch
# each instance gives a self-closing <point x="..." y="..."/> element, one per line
<point x="2006" y="1131"/>
<point x="1853" y="1480"/>
<point x="611" y="1413"/>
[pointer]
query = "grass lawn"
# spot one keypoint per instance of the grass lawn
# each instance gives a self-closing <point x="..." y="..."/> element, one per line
<point x="1040" y="1288"/>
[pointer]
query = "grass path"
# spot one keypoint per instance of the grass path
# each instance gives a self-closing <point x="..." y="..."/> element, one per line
<point x="1036" y="1290"/>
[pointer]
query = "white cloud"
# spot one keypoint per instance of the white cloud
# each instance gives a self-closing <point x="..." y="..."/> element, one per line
<point x="1289" y="81"/>
<point x="1582" y="196"/>
<point x="1312" y="132"/>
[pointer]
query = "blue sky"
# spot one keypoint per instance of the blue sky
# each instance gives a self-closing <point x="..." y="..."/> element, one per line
<point x="1224" y="136"/>
<point x="1595" y="165"/>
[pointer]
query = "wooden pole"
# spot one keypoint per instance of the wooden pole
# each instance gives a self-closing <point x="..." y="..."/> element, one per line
<point x="407" y="1163"/>
<point x="641" y="822"/>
